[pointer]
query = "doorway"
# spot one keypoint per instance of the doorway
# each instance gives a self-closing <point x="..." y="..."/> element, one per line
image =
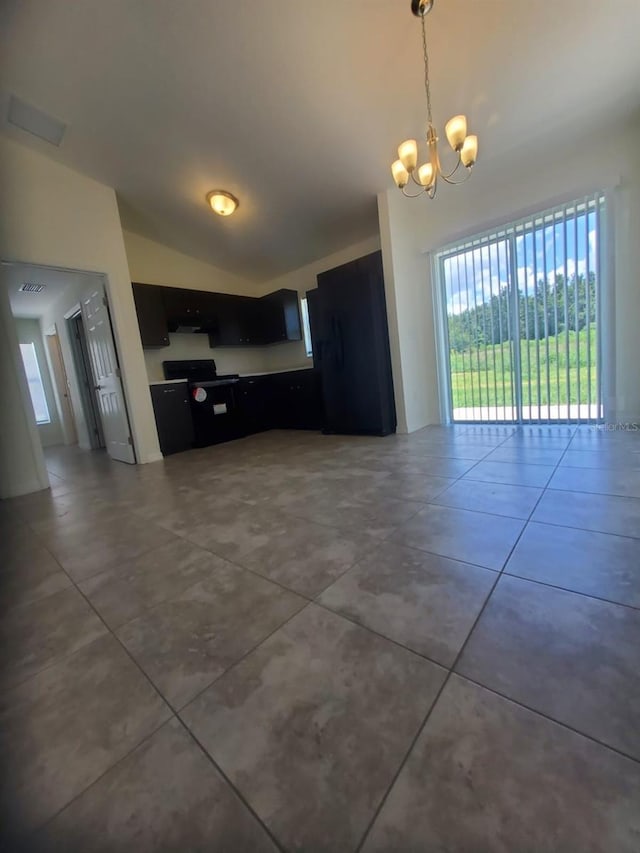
<point x="86" y="383"/>
<point x="520" y="320"/>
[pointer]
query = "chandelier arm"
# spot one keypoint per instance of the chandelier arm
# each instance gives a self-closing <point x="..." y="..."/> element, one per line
<point x="411" y="195"/>
<point x="454" y="170"/>
<point x="455" y="183"/>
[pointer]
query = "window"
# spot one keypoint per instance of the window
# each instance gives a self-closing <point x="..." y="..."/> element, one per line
<point x="36" y="389"/>
<point x="306" y="328"/>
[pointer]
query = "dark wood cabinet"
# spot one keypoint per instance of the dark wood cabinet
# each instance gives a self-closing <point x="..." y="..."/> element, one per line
<point x="152" y="317"/>
<point x="280" y="317"/>
<point x="254" y="403"/>
<point x="237" y="323"/>
<point x="194" y="310"/>
<point x="290" y="400"/>
<point x="228" y="319"/>
<point x="172" y="410"/>
<point x="296" y="400"/>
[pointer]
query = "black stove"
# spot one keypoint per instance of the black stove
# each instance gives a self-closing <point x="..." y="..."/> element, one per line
<point x="213" y="401"/>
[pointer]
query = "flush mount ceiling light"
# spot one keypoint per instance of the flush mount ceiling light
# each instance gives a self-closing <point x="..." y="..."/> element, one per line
<point x="466" y="147"/>
<point x="222" y="202"/>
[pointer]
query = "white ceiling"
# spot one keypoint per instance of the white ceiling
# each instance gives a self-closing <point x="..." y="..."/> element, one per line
<point x="13" y="276"/>
<point x="297" y="107"/>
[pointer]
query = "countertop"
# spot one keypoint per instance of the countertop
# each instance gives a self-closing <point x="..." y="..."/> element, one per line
<point x="241" y="375"/>
<point x="272" y="372"/>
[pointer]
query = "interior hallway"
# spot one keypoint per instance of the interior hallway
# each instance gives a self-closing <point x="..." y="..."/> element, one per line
<point x="324" y="643"/>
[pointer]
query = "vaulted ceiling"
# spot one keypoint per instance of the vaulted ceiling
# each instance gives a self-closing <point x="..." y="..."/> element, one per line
<point x="297" y="107"/>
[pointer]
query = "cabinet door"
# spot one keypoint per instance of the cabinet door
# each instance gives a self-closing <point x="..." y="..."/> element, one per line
<point x="254" y="403"/>
<point x="152" y="316"/>
<point x="280" y="316"/>
<point x="235" y="323"/>
<point x="172" y="410"/>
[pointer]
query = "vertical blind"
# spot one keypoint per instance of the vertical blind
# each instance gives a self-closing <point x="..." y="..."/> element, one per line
<point x="521" y="319"/>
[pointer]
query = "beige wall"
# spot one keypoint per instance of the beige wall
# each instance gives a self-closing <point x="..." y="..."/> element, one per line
<point x="500" y="191"/>
<point x="54" y="216"/>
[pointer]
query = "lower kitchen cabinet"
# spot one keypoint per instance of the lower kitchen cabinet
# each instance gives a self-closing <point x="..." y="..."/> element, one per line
<point x="172" y="409"/>
<point x="290" y="400"/>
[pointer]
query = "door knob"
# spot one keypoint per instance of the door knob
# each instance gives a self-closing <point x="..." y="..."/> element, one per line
<point x="98" y="387"/>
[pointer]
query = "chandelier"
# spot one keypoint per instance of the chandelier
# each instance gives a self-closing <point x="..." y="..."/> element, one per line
<point x="466" y="147"/>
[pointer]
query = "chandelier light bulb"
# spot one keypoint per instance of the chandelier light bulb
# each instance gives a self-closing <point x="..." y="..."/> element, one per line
<point x="456" y="130"/>
<point x="400" y="174"/>
<point x="404" y="169"/>
<point x="408" y="154"/>
<point x="425" y="174"/>
<point x="469" y="151"/>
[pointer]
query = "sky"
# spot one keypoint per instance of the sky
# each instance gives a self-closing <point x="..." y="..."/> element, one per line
<point x="473" y="276"/>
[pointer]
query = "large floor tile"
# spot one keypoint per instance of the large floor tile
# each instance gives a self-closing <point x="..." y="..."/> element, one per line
<point x="603" y="457"/>
<point x="604" y="513"/>
<point x="488" y="775"/>
<point x="84" y="549"/>
<point x="127" y="590"/>
<point x="607" y="481"/>
<point x="526" y="455"/>
<point x="308" y="557"/>
<point x="495" y="498"/>
<point x="374" y="516"/>
<point x="411" y="486"/>
<point x="425" y="602"/>
<point x="36" y="635"/>
<point x="517" y="474"/>
<point x="598" y="564"/>
<point x="474" y="537"/>
<point x="164" y="797"/>
<point x="185" y="643"/>
<point x="313" y="724"/>
<point x="571" y="657"/>
<point x="28" y="572"/>
<point x="64" y="727"/>
<point x="234" y="529"/>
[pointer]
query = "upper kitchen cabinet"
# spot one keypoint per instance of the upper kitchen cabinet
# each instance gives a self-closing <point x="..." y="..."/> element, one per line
<point x="191" y="310"/>
<point x="152" y="317"/>
<point x="280" y="317"/>
<point x="237" y="321"/>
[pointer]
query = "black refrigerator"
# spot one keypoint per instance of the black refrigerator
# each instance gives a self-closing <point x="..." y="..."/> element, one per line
<point x="350" y="338"/>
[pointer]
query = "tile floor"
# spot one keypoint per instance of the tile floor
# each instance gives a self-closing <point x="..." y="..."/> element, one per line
<point x="320" y="643"/>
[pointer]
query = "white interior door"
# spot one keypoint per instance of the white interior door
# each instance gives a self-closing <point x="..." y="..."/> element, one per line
<point x="104" y="364"/>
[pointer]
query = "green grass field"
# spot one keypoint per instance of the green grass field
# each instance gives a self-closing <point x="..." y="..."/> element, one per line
<point x="482" y="376"/>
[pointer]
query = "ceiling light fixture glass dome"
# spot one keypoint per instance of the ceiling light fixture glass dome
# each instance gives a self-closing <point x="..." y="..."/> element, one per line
<point x="222" y="202"/>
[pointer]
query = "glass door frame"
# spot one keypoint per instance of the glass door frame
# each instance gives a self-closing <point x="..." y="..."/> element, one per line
<point x="600" y="203"/>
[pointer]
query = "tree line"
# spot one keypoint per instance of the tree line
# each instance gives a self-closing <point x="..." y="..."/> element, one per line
<point x="548" y="308"/>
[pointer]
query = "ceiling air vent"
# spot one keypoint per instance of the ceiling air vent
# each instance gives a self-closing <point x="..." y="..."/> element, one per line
<point x="35" y="121"/>
<point x="31" y="287"/>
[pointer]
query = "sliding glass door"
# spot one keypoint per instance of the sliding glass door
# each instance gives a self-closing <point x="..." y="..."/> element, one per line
<point x="521" y="318"/>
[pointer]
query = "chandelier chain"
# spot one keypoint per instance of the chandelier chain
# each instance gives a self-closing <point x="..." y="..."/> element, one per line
<point x="427" y="87"/>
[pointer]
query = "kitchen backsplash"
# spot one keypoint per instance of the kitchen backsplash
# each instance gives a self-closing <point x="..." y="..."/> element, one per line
<point x="186" y="346"/>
